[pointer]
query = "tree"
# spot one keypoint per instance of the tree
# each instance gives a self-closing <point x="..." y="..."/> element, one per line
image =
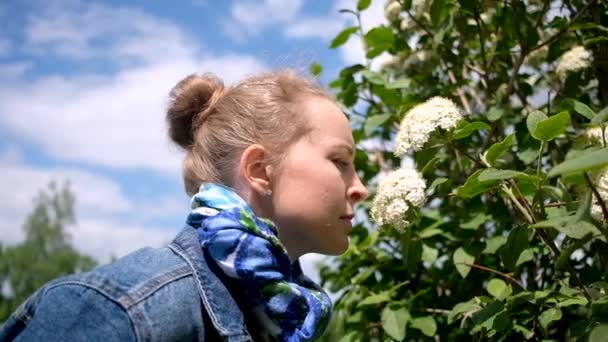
<point x="46" y="252"/>
<point x="501" y="108"/>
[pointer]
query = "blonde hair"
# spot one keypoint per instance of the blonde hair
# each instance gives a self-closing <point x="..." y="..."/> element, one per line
<point x="214" y="123"/>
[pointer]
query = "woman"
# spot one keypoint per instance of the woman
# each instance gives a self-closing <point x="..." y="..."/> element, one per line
<point x="269" y="166"/>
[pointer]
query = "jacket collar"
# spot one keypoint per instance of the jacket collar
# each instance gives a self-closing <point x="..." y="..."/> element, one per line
<point x="223" y="310"/>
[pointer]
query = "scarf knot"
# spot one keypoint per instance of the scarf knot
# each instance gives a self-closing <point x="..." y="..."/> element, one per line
<point x="246" y="248"/>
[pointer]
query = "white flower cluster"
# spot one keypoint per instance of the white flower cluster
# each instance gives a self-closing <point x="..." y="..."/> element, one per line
<point x="601" y="185"/>
<point x="537" y="57"/>
<point x="422" y="120"/>
<point x="406" y="24"/>
<point x="419" y="7"/>
<point x="594" y="135"/>
<point x="398" y="193"/>
<point x="392" y="10"/>
<point x="573" y="60"/>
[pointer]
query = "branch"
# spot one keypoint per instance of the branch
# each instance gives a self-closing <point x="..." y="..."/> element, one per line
<point x="524" y="52"/>
<point x="416" y="21"/>
<point x="439" y="311"/>
<point x="478" y="21"/>
<point x="521" y="208"/>
<point x="504" y="275"/>
<point x="556" y="253"/>
<point x="600" y="200"/>
<point x="460" y="92"/>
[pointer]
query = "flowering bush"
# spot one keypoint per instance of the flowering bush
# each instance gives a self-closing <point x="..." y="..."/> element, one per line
<point x="497" y="230"/>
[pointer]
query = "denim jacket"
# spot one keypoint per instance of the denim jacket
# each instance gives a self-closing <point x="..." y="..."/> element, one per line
<point x="165" y="294"/>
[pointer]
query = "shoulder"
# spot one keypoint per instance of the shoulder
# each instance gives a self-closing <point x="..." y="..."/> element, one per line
<point x="149" y="293"/>
<point x="68" y="311"/>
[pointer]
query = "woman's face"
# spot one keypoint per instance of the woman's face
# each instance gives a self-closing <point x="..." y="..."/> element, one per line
<point x="316" y="186"/>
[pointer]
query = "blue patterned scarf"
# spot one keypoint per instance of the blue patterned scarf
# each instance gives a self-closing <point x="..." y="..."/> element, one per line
<point x="246" y="248"/>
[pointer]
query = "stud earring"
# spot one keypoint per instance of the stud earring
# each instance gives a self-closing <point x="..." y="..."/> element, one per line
<point x="268" y="192"/>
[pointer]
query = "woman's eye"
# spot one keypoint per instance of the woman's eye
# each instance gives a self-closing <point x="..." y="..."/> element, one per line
<point x="341" y="163"/>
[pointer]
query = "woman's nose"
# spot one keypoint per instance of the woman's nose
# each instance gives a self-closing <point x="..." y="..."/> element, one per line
<point x="357" y="192"/>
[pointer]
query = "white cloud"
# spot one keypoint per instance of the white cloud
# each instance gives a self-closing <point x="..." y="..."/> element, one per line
<point x="319" y="27"/>
<point x="99" y="200"/>
<point x="95" y="194"/>
<point x="256" y="15"/>
<point x="5" y="46"/>
<point x="13" y="71"/>
<point x="103" y="239"/>
<point x="250" y="18"/>
<point x="86" y="30"/>
<point x="115" y="120"/>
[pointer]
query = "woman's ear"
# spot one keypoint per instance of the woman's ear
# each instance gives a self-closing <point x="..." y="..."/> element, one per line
<point x="253" y="168"/>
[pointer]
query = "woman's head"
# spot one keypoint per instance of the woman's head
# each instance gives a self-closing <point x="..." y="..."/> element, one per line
<point x="282" y="142"/>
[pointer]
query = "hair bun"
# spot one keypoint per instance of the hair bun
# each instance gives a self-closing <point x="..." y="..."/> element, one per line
<point x="191" y="101"/>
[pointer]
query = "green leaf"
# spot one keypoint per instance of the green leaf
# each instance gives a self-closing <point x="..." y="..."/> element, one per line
<point x="549" y="129"/>
<point x="525" y="256"/>
<point x="437" y="8"/>
<point x="488" y="312"/>
<point x="588" y="160"/>
<point x="548" y="316"/>
<point x="399" y="83"/>
<point x="375" y="299"/>
<point x="394" y="321"/>
<point x="569" y="226"/>
<point x="426" y="324"/>
<point x="499" y="289"/>
<point x="412" y="252"/>
<point x="522" y="330"/>
<point x="436" y="182"/>
<point x="516" y="243"/>
<point x="429" y="254"/>
<point x="373" y="77"/>
<point x="532" y="122"/>
<point x="469" y="128"/>
<point x="473" y="186"/>
<point x="491" y="174"/>
<point x="374" y="121"/>
<point x="601" y="117"/>
<point x="352" y="336"/>
<point x="342" y="37"/>
<point x="582" y="109"/>
<point x="493" y="244"/>
<point x="363" y="5"/>
<point x="461" y="258"/>
<point x="584" y="205"/>
<point x="476" y="221"/>
<point x="381" y="38"/>
<point x="495" y="113"/>
<point x="580" y="300"/>
<point x="466" y="308"/>
<point x="430" y="231"/>
<point x="599" y="333"/>
<point x="316" y="69"/>
<point x="528" y="155"/>
<point x="595" y="40"/>
<point x="498" y="149"/>
<point x="429" y="165"/>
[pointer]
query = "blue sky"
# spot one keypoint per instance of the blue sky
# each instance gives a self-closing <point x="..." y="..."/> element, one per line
<point x="83" y="89"/>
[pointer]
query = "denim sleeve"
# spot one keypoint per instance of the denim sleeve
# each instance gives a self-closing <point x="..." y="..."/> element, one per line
<point x="72" y="312"/>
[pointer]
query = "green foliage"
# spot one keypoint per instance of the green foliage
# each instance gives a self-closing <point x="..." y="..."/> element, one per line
<point x="45" y="254"/>
<point x="511" y="244"/>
